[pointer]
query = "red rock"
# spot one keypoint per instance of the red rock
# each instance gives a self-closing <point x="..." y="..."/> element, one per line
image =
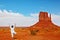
<point x="44" y="29"/>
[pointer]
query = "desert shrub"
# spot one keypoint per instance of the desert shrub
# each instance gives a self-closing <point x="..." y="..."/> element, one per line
<point x="33" y="32"/>
<point x="36" y="30"/>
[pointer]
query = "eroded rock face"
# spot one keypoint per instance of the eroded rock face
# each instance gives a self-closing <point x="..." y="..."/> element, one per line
<point x="44" y="29"/>
<point x="44" y="20"/>
<point x="43" y="16"/>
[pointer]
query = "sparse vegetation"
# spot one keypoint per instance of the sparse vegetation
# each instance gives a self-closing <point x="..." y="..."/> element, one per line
<point x="33" y="32"/>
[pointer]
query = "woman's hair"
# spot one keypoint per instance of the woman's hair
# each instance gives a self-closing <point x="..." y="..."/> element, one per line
<point x="12" y="26"/>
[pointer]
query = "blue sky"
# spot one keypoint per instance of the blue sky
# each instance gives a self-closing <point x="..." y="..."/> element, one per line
<point x="25" y="12"/>
<point x="31" y="6"/>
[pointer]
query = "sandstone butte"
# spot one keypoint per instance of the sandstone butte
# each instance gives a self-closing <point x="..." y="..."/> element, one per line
<point x="44" y="29"/>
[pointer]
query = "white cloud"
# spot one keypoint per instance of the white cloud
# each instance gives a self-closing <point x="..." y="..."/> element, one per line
<point x="56" y="19"/>
<point x="9" y="17"/>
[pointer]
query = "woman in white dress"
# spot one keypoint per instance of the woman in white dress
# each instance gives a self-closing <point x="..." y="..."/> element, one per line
<point x="12" y="30"/>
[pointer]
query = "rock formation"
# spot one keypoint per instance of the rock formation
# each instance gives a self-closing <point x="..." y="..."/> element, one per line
<point x="44" y="20"/>
<point x="44" y="29"/>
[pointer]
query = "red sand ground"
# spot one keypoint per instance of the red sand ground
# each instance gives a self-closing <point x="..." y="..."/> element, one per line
<point x="42" y="30"/>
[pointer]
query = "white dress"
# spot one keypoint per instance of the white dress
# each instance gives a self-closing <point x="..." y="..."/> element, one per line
<point x="12" y="31"/>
